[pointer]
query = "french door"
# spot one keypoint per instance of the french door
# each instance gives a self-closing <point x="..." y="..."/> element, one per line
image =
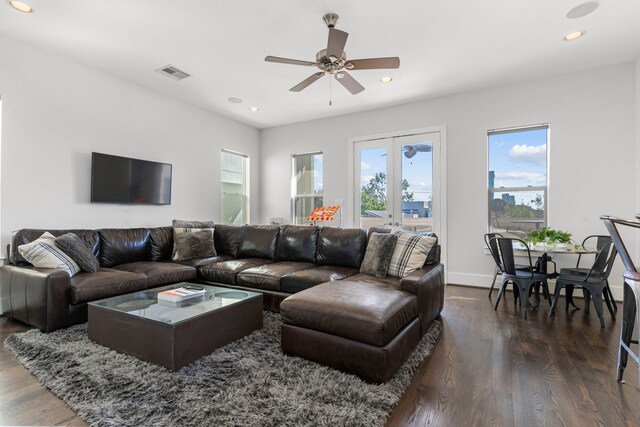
<point x="397" y="182"/>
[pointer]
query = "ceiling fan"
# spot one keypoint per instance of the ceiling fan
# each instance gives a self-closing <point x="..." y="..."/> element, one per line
<point x="333" y="60"/>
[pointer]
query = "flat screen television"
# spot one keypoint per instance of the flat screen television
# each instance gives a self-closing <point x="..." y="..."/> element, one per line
<point x="116" y="179"/>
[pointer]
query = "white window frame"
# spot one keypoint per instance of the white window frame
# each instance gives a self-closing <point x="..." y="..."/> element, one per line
<point x="246" y="198"/>
<point x="294" y="190"/>
<point x="543" y="188"/>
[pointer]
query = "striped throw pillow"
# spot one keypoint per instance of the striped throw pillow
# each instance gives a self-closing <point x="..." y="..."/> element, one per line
<point x="410" y="253"/>
<point x="43" y="253"/>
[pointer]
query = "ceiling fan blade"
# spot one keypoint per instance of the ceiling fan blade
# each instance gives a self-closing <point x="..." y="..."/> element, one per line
<point x="373" y="63"/>
<point x="349" y="82"/>
<point x="306" y="82"/>
<point x="337" y="40"/>
<point x="289" y="61"/>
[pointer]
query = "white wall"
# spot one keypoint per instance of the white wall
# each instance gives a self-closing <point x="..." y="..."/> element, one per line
<point x="56" y="112"/>
<point x="591" y="171"/>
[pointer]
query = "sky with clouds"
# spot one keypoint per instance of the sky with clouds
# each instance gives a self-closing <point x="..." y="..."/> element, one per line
<point x="519" y="159"/>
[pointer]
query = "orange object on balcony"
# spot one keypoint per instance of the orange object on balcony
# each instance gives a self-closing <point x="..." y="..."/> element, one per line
<point x="325" y="213"/>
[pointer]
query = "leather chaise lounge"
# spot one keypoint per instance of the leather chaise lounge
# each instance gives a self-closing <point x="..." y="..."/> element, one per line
<point x="331" y="313"/>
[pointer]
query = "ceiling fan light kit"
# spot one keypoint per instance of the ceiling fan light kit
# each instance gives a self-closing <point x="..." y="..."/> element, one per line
<point x="333" y="61"/>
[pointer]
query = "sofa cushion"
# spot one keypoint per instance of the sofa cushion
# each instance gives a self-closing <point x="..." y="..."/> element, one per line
<point x="377" y="258"/>
<point x="353" y="310"/>
<point x="160" y="273"/>
<point x="389" y="282"/>
<point x="200" y="245"/>
<point x="268" y="276"/>
<point x="410" y="253"/>
<point x="196" y="244"/>
<point x="199" y="262"/>
<point x="43" y="253"/>
<point x="433" y="257"/>
<point x="28" y="235"/>
<point x="104" y="283"/>
<point x="304" y="279"/>
<point x="225" y="272"/>
<point x="297" y="243"/>
<point x="259" y="241"/>
<point x="161" y="239"/>
<point x="228" y="239"/>
<point x="122" y="245"/>
<point x="341" y="246"/>
<point x="78" y="250"/>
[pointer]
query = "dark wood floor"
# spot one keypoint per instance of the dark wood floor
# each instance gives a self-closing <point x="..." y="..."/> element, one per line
<point x="489" y="369"/>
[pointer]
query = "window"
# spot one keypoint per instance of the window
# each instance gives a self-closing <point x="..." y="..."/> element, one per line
<point x="518" y="180"/>
<point x="307" y="185"/>
<point x="235" y="192"/>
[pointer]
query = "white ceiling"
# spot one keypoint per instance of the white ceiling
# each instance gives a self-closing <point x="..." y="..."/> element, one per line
<point x="444" y="46"/>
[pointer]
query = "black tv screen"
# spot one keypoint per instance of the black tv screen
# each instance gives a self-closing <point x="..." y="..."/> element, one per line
<point x="116" y="179"/>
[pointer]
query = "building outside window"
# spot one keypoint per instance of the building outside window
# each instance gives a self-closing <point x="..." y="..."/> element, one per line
<point x="235" y="188"/>
<point x="306" y="185"/>
<point x="517" y="181"/>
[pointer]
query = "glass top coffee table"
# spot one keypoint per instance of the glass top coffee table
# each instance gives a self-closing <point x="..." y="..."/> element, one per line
<point x="174" y="334"/>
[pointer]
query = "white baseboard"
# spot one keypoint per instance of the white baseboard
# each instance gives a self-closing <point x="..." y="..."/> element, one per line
<point x="483" y="281"/>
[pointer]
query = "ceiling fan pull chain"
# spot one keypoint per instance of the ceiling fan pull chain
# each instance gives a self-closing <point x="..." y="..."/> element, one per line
<point x="330" y="96"/>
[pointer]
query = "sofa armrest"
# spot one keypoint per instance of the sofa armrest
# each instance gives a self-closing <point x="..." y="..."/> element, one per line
<point x="37" y="296"/>
<point x="427" y="284"/>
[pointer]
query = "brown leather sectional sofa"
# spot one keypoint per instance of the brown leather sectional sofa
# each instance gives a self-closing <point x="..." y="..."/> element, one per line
<point x="331" y="312"/>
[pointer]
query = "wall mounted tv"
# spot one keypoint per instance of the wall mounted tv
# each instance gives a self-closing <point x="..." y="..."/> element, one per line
<point x="116" y="179"/>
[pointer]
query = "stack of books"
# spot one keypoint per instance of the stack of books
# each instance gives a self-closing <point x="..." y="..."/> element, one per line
<point x="180" y="294"/>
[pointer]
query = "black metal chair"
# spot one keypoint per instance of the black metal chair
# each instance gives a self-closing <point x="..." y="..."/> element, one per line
<point x="594" y="283"/>
<point x="600" y="242"/>
<point x="631" y="295"/>
<point x="492" y="245"/>
<point x="524" y="280"/>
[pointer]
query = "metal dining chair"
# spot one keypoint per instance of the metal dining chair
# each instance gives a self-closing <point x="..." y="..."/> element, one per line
<point x="492" y="245"/>
<point x="524" y="280"/>
<point x="600" y="242"/>
<point x="631" y="295"/>
<point x="594" y="283"/>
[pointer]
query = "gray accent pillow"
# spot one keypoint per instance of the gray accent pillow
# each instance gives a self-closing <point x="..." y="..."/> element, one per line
<point x="197" y="244"/>
<point x="182" y="227"/>
<point x="77" y="250"/>
<point x="378" y="255"/>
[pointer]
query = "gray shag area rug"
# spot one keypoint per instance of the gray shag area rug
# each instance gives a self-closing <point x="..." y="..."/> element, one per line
<point x="249" y="382"/>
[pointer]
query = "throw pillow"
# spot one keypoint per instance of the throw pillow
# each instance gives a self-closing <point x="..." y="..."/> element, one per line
<point x="78" y="251"/>
<point x="378" y="254"/>
<point x="43" y="253"/>
<point x="196" y="244"/>
<point x="183" y="227"/>
<point x="410" y="253"/>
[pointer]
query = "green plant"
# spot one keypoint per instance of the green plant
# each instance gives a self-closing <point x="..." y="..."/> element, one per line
<point x="549" y="236"/>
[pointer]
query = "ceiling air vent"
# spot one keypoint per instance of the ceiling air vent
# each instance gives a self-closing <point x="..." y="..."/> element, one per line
<point x="172" y="72"/>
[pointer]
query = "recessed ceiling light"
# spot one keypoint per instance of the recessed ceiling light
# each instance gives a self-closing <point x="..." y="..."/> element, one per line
<point x="573" y="36"/>
<point x="583" y="9"/>
<point x="386" y="79"/>
<point x="22" y="7"/>
<point x="254" y="109"/>
<point x="234" y="100"/>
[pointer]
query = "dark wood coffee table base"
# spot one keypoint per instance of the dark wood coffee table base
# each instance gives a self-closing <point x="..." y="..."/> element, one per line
<point x="174" y="346"/>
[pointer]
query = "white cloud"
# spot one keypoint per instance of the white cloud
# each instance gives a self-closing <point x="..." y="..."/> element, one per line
<point x="364" y="180"/>
<point x="531" y="177"/>
<point x="365" y="166"/>
<point x="535" y="154"/>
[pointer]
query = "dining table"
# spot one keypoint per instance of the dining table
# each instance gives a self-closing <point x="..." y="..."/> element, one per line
<point x="544" y="253"/>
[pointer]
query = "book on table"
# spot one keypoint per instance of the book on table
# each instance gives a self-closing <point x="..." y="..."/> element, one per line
<point x="180" y="294"/>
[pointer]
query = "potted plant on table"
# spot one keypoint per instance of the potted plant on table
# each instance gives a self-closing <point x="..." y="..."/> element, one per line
<point x="549" y="237"/>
